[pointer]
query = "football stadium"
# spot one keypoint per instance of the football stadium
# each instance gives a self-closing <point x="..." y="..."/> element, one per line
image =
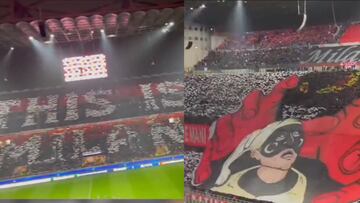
<point x="272" y="101"/>
<point x="91" y="99"/>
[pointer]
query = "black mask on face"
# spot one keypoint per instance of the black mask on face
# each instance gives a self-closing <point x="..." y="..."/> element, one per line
<point x="286" y="137"/>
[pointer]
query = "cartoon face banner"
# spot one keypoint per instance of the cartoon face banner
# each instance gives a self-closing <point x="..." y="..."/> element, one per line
<point x="59" y="107"/>
<point x="63" y="149"/>
<point x="297" y="142"/>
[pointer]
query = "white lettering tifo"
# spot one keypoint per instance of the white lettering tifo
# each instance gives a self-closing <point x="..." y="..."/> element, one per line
<point x="67" y="108"/>
<point x="334" y="55"/>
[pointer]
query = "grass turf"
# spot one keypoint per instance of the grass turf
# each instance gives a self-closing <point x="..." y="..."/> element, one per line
<point x="164" y="182"/>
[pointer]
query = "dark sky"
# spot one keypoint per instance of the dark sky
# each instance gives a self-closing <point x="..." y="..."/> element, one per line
<point x="265" y="15"/>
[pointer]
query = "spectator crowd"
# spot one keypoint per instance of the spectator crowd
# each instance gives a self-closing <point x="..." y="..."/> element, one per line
<point x="288" y="58"/>
<point x="207" y="97"/>
<point x="70" y="148"/>
<point x="268" y="49"/>
<point x="323" y="34"/>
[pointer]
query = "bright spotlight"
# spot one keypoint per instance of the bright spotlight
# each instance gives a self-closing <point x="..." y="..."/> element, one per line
<point x="102" y="30"/>
<point x="172" y="23"/>
<point x="12" y="48"/>
<point x="203" y="6"/>
<point x="31" y="38"/>
<point x="191" y="8"/>
<point x="52" y="35"/>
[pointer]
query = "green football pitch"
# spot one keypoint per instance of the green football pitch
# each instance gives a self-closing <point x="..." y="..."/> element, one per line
<point x="163" y="182"/>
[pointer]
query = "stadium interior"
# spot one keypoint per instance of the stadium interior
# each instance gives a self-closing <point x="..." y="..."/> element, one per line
<point x="237" y="55"/>
<point x="196" y="101"/>
<point x="91" y="99"/>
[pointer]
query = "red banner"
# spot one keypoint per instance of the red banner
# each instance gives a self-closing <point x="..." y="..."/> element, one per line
<point x="196" y="135"/>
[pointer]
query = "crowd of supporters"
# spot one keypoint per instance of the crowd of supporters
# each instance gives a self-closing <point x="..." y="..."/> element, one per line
<point x="67" y="128"/>
<point x="212" y="95"/>
<point x="283" y="38"/>
<point x="264" y="49"/>
<point x="61" y="149"/>
<point x="209" y="96"/>
<point x="192" y="160"/>
<point x="288" y="58"/>
<point x="318" y="94"/>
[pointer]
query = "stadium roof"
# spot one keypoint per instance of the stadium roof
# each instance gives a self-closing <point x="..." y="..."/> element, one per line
<point x="79" y="20"/>
<point x="267" y="14"/>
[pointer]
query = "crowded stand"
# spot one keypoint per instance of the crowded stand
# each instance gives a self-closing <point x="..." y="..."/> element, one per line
<point x="313" y="35"/>
<point x="62" y="149"/>
<point x="318" y="94"/>
<point x="82" y="127"/>
<point x="283" y="49"/>
<point x="56" y="107"/>
<point x="86" y="88"/>
<point x="209" y="97"/>
<point x="287" y="58"/>
<point x="274" y="102"/>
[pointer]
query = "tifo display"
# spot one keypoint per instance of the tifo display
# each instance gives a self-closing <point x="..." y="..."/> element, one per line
<point x="118" y="125"/>
<point x="274" y="116"/>
<point x="85" y="67"/>
<point x="59" y="107"/>
<point x="291" y="124"/>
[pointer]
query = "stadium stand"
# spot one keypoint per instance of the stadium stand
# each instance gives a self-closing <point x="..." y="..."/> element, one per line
<point x="281" y="49"/>
<point x="68" y="128"/>
<point x="318" y="94"/>
<point x="282" y="38"/>
<point x="63" y="149"/>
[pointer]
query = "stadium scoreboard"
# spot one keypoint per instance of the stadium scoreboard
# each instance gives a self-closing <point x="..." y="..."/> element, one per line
<point x="85" y="67"/>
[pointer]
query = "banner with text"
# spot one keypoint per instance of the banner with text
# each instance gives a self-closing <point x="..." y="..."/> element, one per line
<point x="66" y="106"/>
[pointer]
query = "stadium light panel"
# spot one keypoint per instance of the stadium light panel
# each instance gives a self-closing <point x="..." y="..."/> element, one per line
<point x="85" y="67"/>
